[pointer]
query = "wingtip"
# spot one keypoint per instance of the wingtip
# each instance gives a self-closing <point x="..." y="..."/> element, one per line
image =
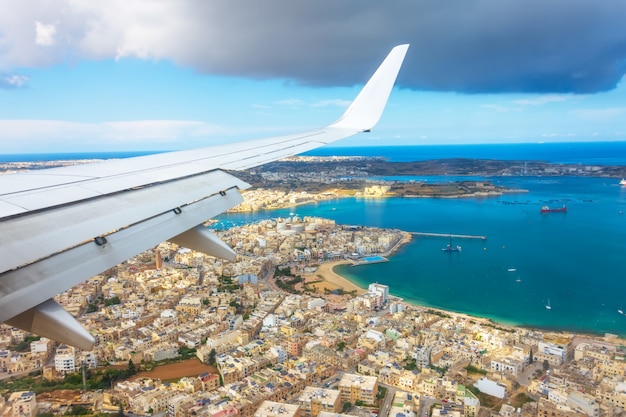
<point x="366" y="110"/>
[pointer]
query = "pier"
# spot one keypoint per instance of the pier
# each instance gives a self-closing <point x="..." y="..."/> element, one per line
<point x="448" y="235"/>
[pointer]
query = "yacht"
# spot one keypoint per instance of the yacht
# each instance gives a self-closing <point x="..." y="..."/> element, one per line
<point x="450" y="248"/>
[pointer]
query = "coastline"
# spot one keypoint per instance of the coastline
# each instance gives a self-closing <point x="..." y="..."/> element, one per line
<point x="353" y="280"/>
<point x="338" y="280"/>
<point x="333" y="281"/>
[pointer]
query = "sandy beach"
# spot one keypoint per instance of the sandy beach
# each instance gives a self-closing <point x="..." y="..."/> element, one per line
<point x="325" y="278"/>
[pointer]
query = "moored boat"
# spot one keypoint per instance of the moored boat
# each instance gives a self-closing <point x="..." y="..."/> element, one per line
<point x="547" y="209"/>
<point x="450" y="248"/>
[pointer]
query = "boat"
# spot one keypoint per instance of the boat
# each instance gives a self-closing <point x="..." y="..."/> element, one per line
<point x="512" y="269"/>
<point x="547" y="209"/>
<point x="620" y="310"/>
<point x="548" y="306"/>
<point x="623" y="182"/>
<point x="449" y="248"/>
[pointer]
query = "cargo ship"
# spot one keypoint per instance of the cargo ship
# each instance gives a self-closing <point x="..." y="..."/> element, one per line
<point x="546" y="209"/>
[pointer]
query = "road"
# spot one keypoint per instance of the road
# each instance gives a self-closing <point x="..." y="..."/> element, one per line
<point x="425" y="404"/>
<point x="386" y="404"/>
<point x="526" y="376"/>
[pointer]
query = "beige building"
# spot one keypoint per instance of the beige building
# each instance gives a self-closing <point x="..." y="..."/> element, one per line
<point x="584" y="403"/>
<point x="190" y="305"/>
<point x="209" y="381"/>
<point x="546" y="408"/>
<point x="313" y="400"/>
<point x="355" y="388"/>
<point x="274" y="409"/>
<point x="23" y="404"/>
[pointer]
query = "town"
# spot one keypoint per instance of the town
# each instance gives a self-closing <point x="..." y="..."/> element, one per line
<point x="180" y="333"/>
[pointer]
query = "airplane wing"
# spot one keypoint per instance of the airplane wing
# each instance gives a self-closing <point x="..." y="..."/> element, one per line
<point x="61" y="226"/>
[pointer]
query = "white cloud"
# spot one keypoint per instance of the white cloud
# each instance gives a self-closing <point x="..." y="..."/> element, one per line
<point x="332" y="103"/>
<point x="45" y="34"/>
<point x="155" y="130"/>
<point x="13" y="81"/>
<point x="497" y="107"/>
<point x="600" y="115"/>
<point x="545" y="99"/>
<point x="291" y="102"/>
<point x="21" y="134"/>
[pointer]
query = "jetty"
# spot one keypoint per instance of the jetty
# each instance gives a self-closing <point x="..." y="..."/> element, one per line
<point x="448" y="235"/>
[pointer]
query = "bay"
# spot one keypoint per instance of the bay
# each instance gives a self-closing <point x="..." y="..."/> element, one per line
<point x="574" y="259"/>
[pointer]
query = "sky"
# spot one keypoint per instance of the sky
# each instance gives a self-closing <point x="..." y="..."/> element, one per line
<point x="135" y="75"/>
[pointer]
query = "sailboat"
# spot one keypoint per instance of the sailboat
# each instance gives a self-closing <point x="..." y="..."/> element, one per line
<point x="450" y="248"/>
<point x="548" y="306"/>
<point x="621" y="310"/>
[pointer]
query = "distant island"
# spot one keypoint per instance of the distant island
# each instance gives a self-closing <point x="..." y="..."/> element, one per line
<point x="366" y="175"/>
<point x="372" y="176"/>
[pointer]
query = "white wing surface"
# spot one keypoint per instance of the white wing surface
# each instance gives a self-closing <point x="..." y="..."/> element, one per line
<point x="61" y="226"/>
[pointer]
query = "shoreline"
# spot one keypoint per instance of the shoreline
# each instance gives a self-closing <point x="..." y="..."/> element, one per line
<point x="340" y="194"/>
<point x="338" y="280"/>
<point x="333" y="280"/>
<point x="494" y="322"/>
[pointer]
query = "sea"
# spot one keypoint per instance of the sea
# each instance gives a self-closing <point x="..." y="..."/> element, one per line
<point x="573" y="262"/>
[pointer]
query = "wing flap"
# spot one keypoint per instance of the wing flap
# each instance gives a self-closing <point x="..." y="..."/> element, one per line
<point x="203" y="240"/>
<point x="50" y="320"/>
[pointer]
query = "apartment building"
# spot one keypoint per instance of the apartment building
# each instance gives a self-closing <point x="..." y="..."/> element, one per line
<point x="275" y="409"/>
<point x="23" y="404"/>
<point x="313" y="400"/>
<point x="355" y="388"/>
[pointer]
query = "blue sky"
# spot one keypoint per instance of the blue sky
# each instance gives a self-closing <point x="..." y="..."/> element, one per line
<point x="157" y="75"/>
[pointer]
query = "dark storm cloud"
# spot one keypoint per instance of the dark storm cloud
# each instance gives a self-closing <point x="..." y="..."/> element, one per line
<point x="466" y="46"/>
<point x="471" y="46"/>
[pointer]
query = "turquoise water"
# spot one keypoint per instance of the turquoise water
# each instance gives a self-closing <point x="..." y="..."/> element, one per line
<point x="373" y="258"/>
<point x="575" y="259"/>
